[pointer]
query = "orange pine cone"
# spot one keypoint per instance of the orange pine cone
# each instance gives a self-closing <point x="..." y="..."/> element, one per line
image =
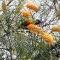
<point x="56" y="28"/>
<point x="48" y="38"/>
<point x="35" y="29"/>
<point x="32" y="6"/>
<point x="25" y="12"/>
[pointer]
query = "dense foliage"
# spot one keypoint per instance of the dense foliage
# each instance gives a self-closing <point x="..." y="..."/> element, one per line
<point x="19" y="43"/>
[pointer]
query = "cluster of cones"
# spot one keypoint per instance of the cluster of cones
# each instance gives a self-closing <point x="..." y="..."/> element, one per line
<point x="26" y="12"/>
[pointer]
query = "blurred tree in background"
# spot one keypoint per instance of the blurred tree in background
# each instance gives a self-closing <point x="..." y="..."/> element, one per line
<point x="17" y="43"/>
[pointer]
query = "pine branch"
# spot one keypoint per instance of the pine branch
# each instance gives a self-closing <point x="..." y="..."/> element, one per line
<point x="9" y="2"/>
